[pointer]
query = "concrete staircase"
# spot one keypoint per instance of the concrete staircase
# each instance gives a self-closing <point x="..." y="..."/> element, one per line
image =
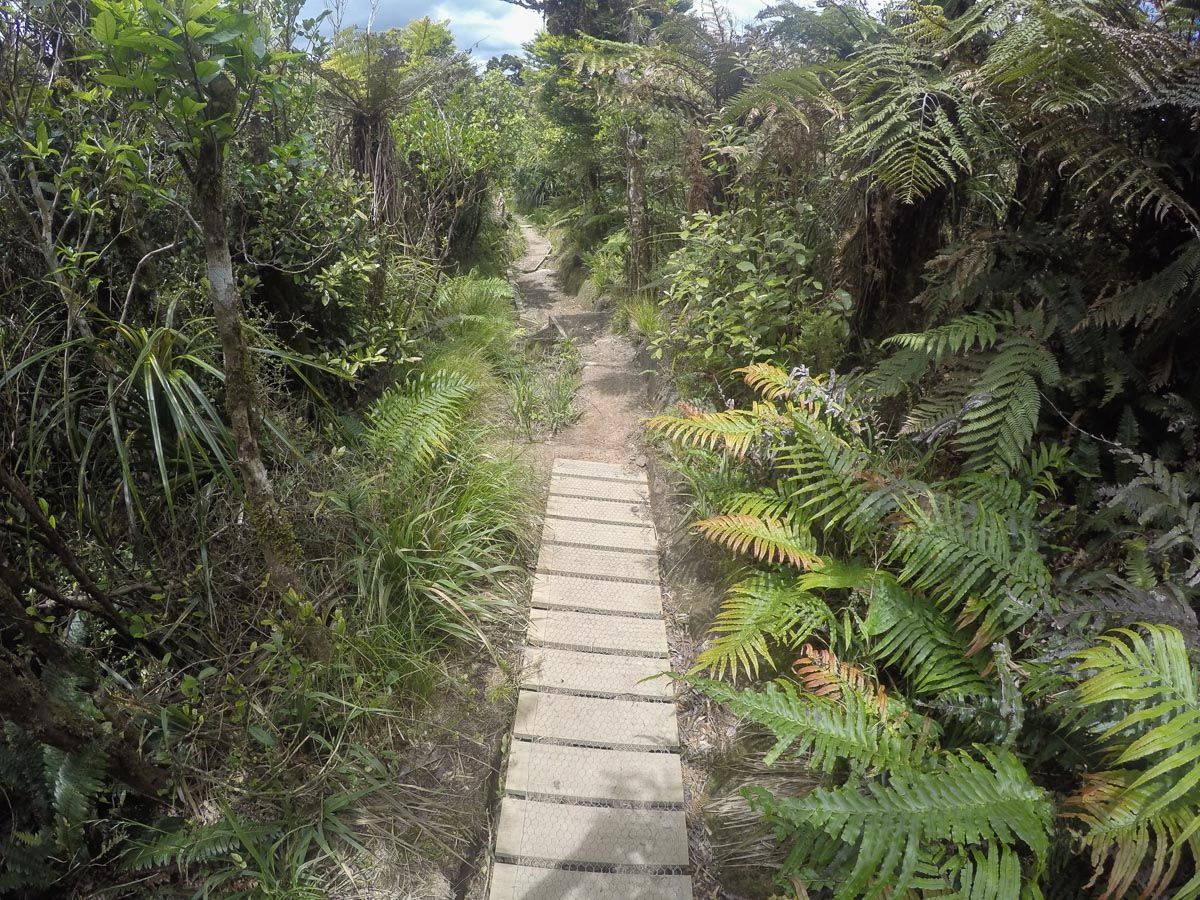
<point x="593" y="794"/>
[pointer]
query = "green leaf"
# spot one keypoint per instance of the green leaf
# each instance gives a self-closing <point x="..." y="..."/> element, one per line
<point x="261" y="735"/>
<point x="105" y="28"/>
<point x="207" y="70"/>
<point x="112" y="79"/>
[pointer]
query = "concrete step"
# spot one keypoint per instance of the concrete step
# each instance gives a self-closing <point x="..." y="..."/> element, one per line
<point x="572" y="591"/>
<point x="528" y="883"/>
<point x="595" y="721"/>
<point x="597" y="673"/>
<point x="591" y="834"/>
<point x="629" y="513"/>
<point x="585" y="773"/>
<point x="592" y="563"/>
<point x="600" y="488"/>
<point x="599" y="633"/>
<point x="598" y="470"/>
<point x="600" y="534"/>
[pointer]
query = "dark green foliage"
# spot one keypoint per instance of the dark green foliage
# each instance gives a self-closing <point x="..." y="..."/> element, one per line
<point x="175" y="720"/>
<point x="944" y="575"/>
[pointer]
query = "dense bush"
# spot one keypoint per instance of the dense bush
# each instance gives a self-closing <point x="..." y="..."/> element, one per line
<point x="252" y="495"/>
<point x="742" y="290"/>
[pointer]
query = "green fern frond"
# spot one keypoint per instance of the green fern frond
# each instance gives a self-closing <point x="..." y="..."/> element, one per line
<point x="1161" y="497"/>
<point x="1150" y="300"/>
<point x="1000" y="425"/>
<point x="824" y="732"/>
<point x="1122" y="837"/>
<point x="765" y="503"/>
<point x="732" y="430"/>
<point x="973" y="331"/>
<point x="768" y="540"/>
<point x="791" y="94"/>
<point x="75" y="780"/>
<point x="896" y="373"/>
<point x="1153" y="671"/>
<point x="771" y="382"/>
<point x="915" y="127"/>
<point x="913" y="635"/>
<point x="413" y="423"/>
<point x="961" y="554"/>
<point x="1148" y="807"/>
<point x="829" y="477"/>
<point x="757" y="611"/>
<point x="1094" y="159"/>
<point x="887" y="830"/>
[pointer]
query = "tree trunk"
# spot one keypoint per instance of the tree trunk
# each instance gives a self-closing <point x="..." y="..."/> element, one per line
<point x="638" y="224"/>
<point x="275" y="536"/>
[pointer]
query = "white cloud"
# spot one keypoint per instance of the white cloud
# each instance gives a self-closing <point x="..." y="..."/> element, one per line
<point x="485" y="27"/>
<point x="490" y="28"/>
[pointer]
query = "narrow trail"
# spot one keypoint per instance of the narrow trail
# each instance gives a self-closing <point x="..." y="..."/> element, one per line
<point x="613" y="390"/>
<point x="593" y="797"/>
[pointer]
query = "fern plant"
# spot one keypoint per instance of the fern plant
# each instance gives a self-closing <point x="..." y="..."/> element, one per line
<point x="927" y="578"/>
<point x="411" y="424"/>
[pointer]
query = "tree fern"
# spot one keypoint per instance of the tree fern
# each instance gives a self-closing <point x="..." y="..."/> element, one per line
<point x="789" y="94"/>
<point x="763" y="609"/>
<point x="914" y="127"/>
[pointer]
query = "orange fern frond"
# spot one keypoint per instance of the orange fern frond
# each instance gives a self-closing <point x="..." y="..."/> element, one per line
<point x="770" y="540"/>
<point x="823" y="674"/>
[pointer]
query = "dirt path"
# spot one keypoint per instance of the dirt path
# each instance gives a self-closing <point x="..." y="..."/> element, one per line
<point x="612" y="398"/>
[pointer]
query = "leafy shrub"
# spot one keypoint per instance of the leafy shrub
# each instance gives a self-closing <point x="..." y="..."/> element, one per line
<point x="741" y="290"/>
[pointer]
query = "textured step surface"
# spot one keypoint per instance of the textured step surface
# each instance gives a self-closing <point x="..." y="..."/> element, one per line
<point x="592" y="720"/>
<point x="585" y="773"/>
<point x="526" y="883"/>
<point x="597" y="470"/>
<point x="594" y="798"/>
<point x="600" y="488"/>
<point x="599" y="673"/>
<point x="597" y="510"/>
<point x="531" y="829"/>
<point x="624" y="565"/>
<point x="600" y="534"/>
<point x="573" y="592"/>
<point x="598" y="633"/>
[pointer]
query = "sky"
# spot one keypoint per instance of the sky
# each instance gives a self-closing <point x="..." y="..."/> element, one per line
<point x="485" y="27"/>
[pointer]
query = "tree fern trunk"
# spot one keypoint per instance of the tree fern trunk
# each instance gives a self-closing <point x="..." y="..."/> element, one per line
<point x="639" y="243"/>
